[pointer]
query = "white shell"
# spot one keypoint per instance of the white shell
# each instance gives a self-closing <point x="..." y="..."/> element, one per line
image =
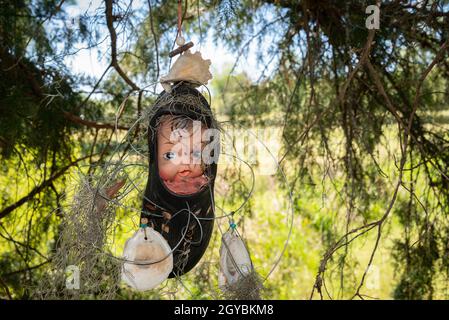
<point x="188" y="67"/>
<point x="235" y="261"/>
<point x="155" y="249"/>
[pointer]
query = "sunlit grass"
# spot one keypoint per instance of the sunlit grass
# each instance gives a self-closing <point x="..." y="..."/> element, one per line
<point x="319" y="219"/>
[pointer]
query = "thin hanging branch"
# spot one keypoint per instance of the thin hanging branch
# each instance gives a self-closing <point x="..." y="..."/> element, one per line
<point x="155" y="39"/>
<point x="5" y="287"/>
<point x="113" y="34"/>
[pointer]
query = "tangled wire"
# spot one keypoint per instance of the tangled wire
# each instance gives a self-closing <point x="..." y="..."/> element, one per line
<point x="89" y="248"/>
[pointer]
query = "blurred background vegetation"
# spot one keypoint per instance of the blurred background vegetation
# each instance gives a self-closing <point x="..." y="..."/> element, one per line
<point x="360" y="117"/>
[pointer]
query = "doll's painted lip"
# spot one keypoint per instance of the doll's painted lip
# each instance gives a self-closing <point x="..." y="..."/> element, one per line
<point x="186" y="185"/>
<point x="184" y="173"/>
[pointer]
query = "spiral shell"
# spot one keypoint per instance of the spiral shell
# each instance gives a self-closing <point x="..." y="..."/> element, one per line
<point x="189" y="67"/>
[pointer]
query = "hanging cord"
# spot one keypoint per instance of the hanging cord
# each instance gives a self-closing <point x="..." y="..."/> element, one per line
<point x="179" y="37"/>
<point x="180" y="41"/>
<point x="232" y="223"/>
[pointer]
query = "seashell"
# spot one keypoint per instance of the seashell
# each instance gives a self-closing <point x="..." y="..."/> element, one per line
<point x="188" y="67"/>
<point x="155" y="251"/>
<point x="235" y="261"/>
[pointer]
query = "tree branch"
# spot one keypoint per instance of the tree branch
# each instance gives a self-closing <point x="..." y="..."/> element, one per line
<point x="113" y="34"/>
<point x="38" y="189"/>
<point x="92" y="124"/>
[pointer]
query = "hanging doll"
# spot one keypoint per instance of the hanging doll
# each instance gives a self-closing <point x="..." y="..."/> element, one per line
<point x="178" y="207"/>
<point x="179" y="195"/>
<point x="177" y="215"/>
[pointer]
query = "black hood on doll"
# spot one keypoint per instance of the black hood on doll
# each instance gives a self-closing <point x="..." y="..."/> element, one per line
<point x="185" y="221"/>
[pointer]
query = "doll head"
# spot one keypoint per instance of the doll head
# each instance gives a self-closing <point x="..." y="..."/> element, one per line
<point x="183" y="145"/>
<point x="179" y="153"/>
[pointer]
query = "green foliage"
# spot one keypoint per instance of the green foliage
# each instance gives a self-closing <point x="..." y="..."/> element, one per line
<point x="342" y="134"/>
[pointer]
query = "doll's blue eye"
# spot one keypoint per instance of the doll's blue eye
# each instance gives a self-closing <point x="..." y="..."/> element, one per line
<point x="169" y="155"/>
<point x="196" y="154"/>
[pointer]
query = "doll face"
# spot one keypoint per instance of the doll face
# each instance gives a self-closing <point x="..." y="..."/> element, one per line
<point x="179" y="150"/>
